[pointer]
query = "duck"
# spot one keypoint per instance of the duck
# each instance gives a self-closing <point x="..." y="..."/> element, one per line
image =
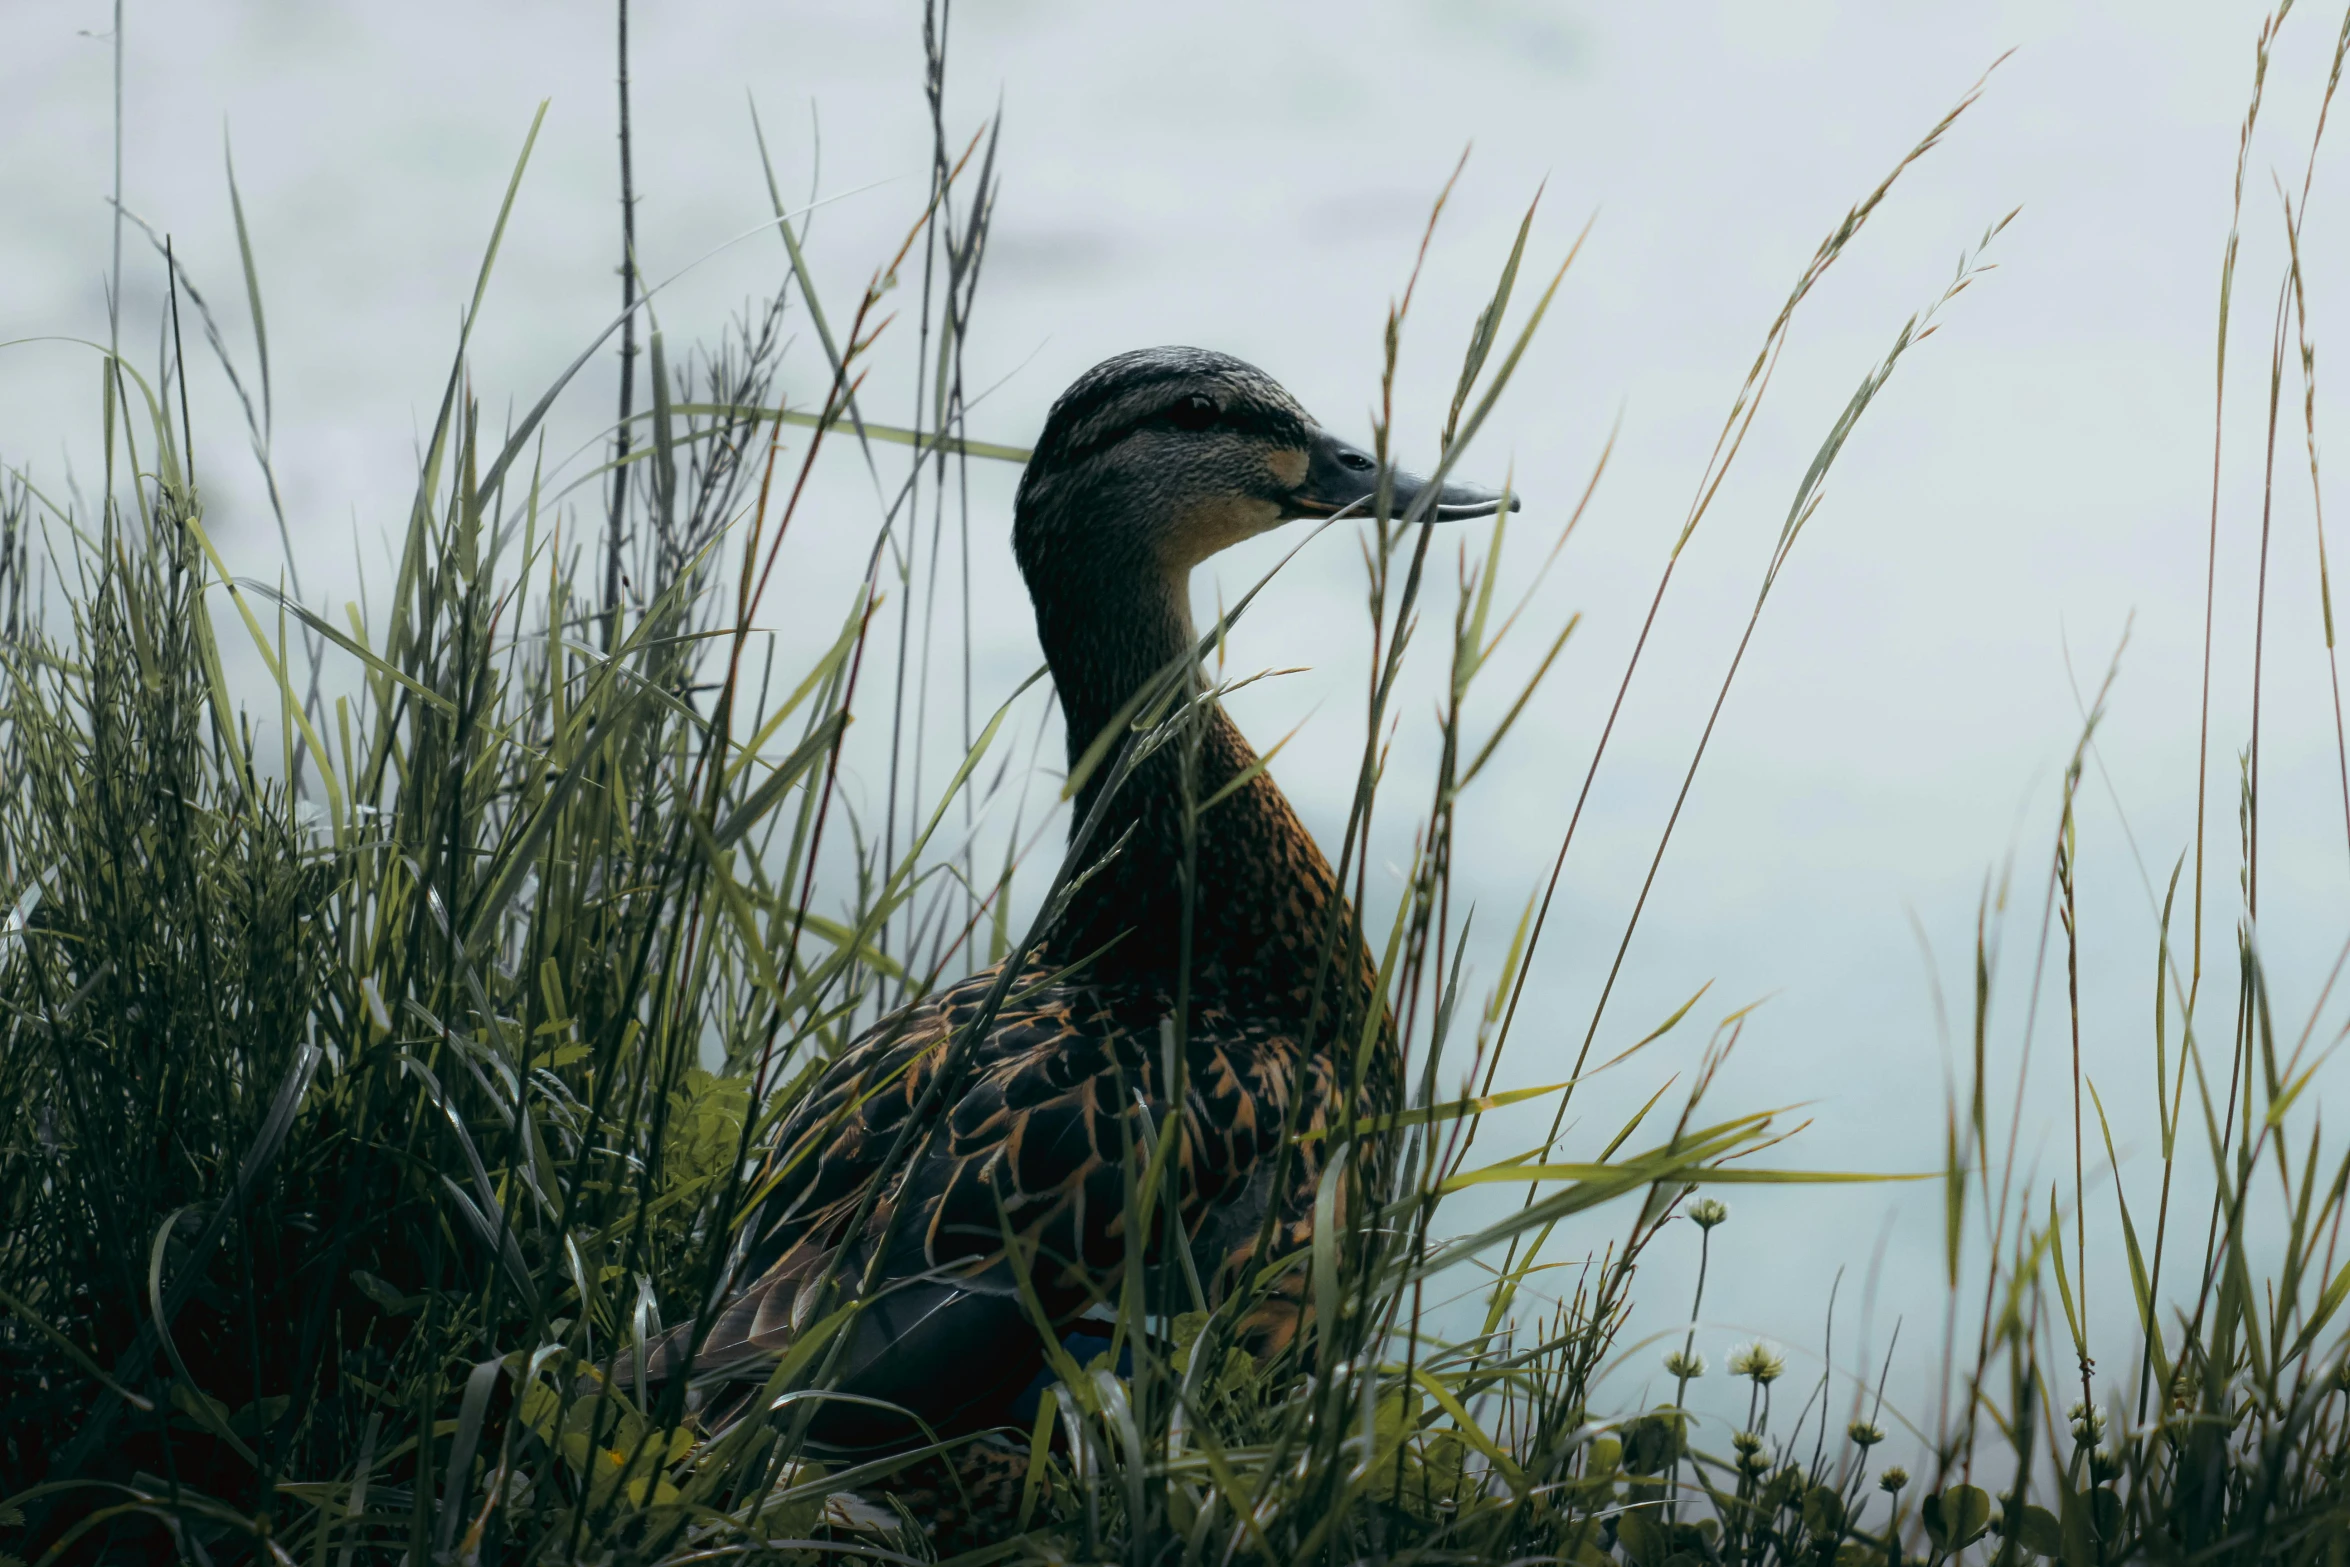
<point x="959" y="1169"/>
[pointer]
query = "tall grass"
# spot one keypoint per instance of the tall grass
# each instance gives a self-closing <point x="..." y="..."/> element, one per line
<point x="380" y="1072"/>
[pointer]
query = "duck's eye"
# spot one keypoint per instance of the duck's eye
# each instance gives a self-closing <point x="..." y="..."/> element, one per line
<point x="1193" y="413"/>
<point x="1357" y="461"/>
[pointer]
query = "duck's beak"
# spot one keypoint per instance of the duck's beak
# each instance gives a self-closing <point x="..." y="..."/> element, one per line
<point x="1340" y="477"/>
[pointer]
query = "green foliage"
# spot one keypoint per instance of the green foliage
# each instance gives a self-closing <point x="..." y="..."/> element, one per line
<point x="1956" y="1517"/>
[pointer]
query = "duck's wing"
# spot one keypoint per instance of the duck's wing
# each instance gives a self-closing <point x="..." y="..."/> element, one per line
<point x="831" y="1148"/>
<point x="1039" y="1140"/>
<point x="1062" y="1085"/>
<point x="1039" y="1144"/>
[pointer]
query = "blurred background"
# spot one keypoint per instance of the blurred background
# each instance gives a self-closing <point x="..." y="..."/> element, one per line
<point x="2033" y="487"/>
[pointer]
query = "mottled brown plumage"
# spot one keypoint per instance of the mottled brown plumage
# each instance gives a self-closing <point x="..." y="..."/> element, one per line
<point x="1147" y="465"/>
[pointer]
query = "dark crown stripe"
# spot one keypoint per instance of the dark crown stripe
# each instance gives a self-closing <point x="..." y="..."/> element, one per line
<point x="1133" y="391"/>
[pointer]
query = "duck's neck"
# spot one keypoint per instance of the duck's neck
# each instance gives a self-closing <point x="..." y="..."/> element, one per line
<point x="1262" y="895"/>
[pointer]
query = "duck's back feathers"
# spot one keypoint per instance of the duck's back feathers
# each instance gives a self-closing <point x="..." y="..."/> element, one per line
<point x="1052" y="1098"/>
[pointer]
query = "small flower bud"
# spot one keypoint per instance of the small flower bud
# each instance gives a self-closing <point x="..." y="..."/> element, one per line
<point x="1757" y="1362"/>
<point x="1705" y="1213"/>
<point x="1865" y="1433"/>
<point x="1684" y="1364"/>
<point x="1893" y="1479"/>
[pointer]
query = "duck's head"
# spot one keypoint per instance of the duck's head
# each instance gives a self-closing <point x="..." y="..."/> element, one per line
<point x="1155" y="460"/>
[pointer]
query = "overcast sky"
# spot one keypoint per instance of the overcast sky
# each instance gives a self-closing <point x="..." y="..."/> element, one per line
<point x="2036" y="477"/>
